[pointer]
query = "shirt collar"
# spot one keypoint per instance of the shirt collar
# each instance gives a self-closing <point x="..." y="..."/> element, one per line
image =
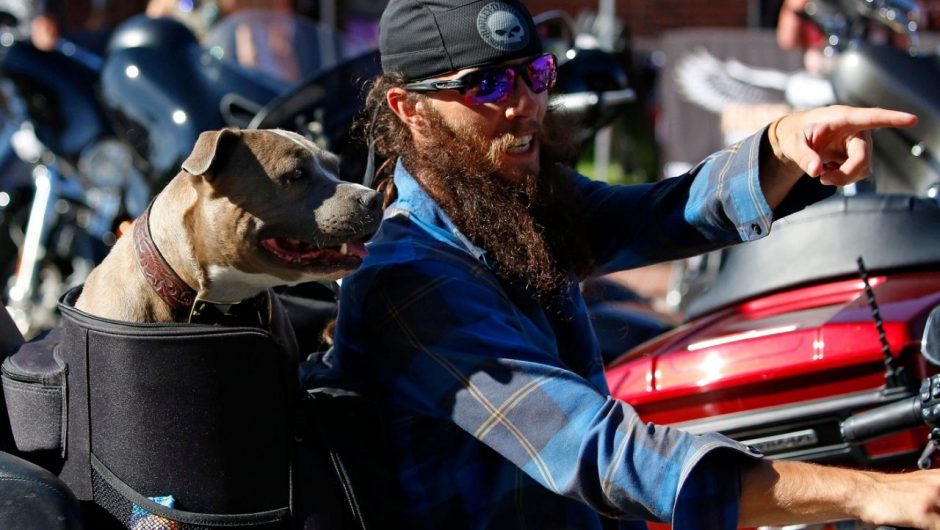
<point x="414" y="201"/>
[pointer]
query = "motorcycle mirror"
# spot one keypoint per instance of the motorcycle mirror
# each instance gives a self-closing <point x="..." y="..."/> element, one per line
<point x="8" y="19"/>
<point x="930" y="343"/>
<point x="557" y="31"/>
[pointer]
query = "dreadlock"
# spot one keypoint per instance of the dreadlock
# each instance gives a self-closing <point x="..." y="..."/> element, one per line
<point x="379" y="124"/>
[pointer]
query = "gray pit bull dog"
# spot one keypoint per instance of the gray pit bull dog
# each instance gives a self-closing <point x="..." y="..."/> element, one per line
<point x="251" y="209"/>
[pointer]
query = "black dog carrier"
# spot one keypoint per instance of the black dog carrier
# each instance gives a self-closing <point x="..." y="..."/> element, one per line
<point x="181" y="426"/>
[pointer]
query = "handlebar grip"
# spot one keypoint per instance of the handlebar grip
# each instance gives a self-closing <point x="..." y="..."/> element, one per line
<point x="898" y="416"/>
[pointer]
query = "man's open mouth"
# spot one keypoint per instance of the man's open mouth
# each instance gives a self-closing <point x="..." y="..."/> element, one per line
<point x="521" y="145"/>
<point x="304" y="253"/>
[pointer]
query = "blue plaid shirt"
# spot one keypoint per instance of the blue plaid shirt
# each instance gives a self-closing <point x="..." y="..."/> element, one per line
<point x="499" y="413"/>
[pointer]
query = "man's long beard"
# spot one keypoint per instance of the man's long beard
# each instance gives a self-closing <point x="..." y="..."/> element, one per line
<point x="524" y="221"/>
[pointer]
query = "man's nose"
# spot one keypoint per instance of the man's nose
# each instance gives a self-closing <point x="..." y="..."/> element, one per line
<point x="523" y="103"/>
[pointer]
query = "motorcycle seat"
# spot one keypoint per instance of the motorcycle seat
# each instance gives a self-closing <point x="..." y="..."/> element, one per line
<point x="32" y="498"/>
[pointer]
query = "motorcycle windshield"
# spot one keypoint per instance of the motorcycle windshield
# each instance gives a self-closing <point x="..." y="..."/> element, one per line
<point x="282" y="45"/>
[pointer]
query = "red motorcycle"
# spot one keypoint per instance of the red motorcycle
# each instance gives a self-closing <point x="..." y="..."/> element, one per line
<point x="822" y="320"/>
<point x="786" y="345"/>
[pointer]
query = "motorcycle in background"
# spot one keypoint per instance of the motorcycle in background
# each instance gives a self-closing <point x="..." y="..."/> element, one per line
<point x="162" y="87"/>
<point x="823" y="318"/>
<point x="60" y="229"/>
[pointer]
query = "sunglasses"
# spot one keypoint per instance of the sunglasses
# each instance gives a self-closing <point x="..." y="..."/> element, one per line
<point x="495" y="84"/>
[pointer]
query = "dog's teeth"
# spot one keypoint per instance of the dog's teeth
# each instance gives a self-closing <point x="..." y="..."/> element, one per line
<point x="343" y="249"/>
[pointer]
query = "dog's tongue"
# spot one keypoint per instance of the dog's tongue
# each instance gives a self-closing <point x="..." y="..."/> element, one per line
<point x="301" y="252"/>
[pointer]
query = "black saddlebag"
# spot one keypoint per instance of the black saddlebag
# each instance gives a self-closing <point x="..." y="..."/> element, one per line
<point x="132" y="415"/>
<point x="162" y="422"/>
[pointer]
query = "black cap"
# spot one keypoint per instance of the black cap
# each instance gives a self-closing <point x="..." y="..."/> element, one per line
<point x="424" y="38"/>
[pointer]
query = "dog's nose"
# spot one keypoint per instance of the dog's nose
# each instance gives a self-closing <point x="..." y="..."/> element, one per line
<point x="370" y="200"/>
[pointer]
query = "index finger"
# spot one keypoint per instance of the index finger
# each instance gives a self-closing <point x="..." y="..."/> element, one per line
<point x="875" y="118"/>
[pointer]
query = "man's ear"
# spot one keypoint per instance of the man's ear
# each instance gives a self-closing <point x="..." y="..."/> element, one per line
<point x="205" y="152"/>
<point x="407" y="108"/>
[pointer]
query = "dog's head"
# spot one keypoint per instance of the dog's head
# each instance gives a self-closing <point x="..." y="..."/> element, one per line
<point x="274" y="212"/>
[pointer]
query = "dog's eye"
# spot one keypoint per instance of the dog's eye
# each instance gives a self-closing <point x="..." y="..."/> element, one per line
<point x="294" y="175"/>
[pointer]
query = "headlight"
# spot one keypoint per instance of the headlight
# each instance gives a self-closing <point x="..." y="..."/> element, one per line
<point x="106" y="164"/>
<point x="112" y="183"/>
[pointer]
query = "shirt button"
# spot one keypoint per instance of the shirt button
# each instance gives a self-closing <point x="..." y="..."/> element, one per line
<point x="756" y="229"/>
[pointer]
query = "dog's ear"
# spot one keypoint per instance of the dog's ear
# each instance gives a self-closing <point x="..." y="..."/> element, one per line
<point x="205" y="151"/>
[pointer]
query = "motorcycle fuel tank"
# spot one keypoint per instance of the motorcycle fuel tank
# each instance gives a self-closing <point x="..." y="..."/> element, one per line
<point x="162" y="89"/>
<point x="59" y="92"/>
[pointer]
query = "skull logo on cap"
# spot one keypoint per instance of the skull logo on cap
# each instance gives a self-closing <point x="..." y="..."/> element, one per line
<point x="505" y="27"/>
<point x="501" y="26"/>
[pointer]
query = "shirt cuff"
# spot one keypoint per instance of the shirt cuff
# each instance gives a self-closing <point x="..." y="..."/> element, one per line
<point x="709" y="496"/>
<point x="753" y="215"/>
<point x="726" y="197"/>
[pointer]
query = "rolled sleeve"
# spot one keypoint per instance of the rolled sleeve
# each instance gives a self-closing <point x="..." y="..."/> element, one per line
<point x="709" y="493"/>
<point x="727" y="190"/>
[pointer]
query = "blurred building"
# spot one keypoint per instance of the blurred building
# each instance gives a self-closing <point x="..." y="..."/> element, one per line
<point x="642" y="17"/>
<point x="653" y="17"/>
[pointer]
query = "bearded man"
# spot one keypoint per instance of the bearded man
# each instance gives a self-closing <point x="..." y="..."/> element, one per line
<point x="466" y="326"/>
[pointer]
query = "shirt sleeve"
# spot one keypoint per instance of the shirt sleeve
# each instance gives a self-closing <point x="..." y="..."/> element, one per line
<point x="716" y="204"/>
<point x="455" y="347"/>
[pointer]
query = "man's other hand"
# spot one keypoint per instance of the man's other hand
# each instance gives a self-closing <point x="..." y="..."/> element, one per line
<point x="44" y="32"/>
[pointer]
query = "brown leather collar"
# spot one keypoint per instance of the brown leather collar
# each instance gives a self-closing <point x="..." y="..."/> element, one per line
<point x="177" y="294"/>
<point x="161" y="277"/>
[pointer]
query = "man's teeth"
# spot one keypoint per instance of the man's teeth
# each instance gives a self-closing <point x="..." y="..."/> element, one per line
<point x="521" y="145"/>
<point x="343" y="249"/>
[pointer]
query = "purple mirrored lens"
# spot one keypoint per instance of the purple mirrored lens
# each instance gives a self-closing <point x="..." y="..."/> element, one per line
<point x="489" y="85"/>
<point x="541" y="73"/>
<point x="493" y="85"/>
